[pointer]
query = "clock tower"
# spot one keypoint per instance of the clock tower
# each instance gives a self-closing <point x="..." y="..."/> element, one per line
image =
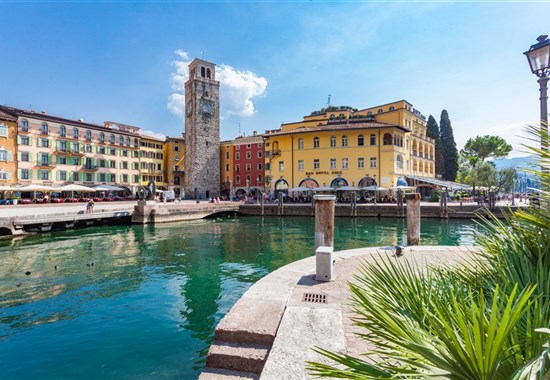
<point x="202" y="131"/>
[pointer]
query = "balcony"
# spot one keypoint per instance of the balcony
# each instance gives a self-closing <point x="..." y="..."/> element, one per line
<point x="178" y="172"/>
<point x="70" y="152"/>
<point x="90" y="168"/>
<point x="45" y="164"/>
<point x="276" y="152"/>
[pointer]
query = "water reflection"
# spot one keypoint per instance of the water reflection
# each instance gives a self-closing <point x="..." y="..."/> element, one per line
<point x="143" y="301"/>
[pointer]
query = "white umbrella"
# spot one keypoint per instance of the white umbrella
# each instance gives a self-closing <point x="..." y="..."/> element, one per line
<point x="300" y="188"/>
<point x="347" y="188"/>
<point x="324" y="188"/>
<point x="6" y="188"/>
<point x="404" y="188"/>
<point x="74" y="187"/>
<point x="107" y="188"/>
<point x="34" y="187"/>
<point x="374" y="188"/>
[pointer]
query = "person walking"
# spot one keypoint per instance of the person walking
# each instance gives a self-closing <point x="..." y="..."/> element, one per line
<point x="90" y="206"/>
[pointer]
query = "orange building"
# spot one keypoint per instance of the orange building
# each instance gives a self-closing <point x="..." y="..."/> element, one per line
<point x="8" y="149"/>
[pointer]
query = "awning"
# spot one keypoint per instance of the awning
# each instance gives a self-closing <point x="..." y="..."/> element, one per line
<point x="438" y="182"/>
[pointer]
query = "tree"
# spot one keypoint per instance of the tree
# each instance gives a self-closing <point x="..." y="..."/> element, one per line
<point x="433" y="132"/>
<point x="484" y="174"/>
<point x="483" y="147"/>
<point x="448" y="144"/>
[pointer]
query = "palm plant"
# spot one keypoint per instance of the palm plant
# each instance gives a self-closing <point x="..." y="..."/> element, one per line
<point x="477" y="321"/>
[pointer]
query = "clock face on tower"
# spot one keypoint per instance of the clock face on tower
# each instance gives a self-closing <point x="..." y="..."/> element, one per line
<point x="207" y="107"/>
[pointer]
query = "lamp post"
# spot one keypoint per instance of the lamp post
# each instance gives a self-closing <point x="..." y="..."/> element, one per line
<point x="538" y="56"/>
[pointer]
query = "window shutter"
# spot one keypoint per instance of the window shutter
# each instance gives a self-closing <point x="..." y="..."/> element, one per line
<point x="18" y="140"/>
<point x="18" y="156"/>
<point x="57" y="175"/>
<point x="30" y="140"/>
<point x="19" y="173"/>
<point x="30" y="156"/>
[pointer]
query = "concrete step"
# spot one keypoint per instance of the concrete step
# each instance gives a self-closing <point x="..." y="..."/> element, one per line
<point x="225" y="374"/>
<point x="237" y="356"/>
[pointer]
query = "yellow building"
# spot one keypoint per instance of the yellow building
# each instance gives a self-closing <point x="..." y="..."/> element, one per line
<point x="226" y="168"/>
<point x="8" y="151"/>
<point x="341" y="146"/>
<point x="151" y="160"/>
<point x="174" y="163"/>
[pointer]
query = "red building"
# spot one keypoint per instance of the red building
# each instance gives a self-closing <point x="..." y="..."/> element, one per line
<point x="248" y="165"/>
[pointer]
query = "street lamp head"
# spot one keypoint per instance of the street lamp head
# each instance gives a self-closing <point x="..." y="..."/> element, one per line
<point x="539" y="57"/>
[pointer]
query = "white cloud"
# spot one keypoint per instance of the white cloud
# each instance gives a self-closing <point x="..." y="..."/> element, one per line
<point x="156" y="135"/>
<point x="237" y="88"/>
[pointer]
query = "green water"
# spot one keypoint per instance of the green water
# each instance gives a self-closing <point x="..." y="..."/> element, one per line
<point x="130" y="302"/>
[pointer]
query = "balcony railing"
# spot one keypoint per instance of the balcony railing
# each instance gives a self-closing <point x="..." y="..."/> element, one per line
<point x="45" y="164"/>
<point x="276" y="152"/>
<point x="70" y="152"/>
<point x="90" y="167"/>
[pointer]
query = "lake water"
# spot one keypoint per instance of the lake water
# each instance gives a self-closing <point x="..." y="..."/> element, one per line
<point x="133" y="302"/>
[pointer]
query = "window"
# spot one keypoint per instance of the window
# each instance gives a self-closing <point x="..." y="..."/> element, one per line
<point x="399" y="162"/>
<point x="101" y="163"/>
<point x="344" y="163"/>
<point x="237" y="168"/>
<point x="3" y="154"/>
<point x="316" y="164"/>
<point x="25" y="140"/>
<point x="248" y="167"/>
<point x="63" y="160"/>
<point x="333" y="163"/>
<point x="237" y="180"/>
<point x="226" y="167"/>
<point x="360" y="140"/>
<point x="5" y="175"/>
<point x="76" y="176"/>
<point x="120" y="140"/>
<point x="227" y="155"/>
<point x="392" y="108"/>
<point x="102" y="137"/>
<point x="135" y="178"/>
<point x="88" y="177"/>
<point x="44" y="175"/>
<point x="24" y="156"/>
<point x="380" y="110"/>
<point x="88" y="135"/>
<point x="88" y="148"/>
<point x="361" y="163"/>
<point x="247" y="146"/>
<point x="113" y="178"/>
<point x="300" y="165"/>
<point x="136" y="142"/>
<point x="387" y="139"/>
<point x="259" y="154"/>
<point x="112" y="139"/>
<point x="101" y="150"/>
<point x="344" y="140"/>
<point x="24" y="173"/>
<point x="44" y="143"/>
<point x="44" y="128"/>
<point x="24" y="126"/>
<point x="300" y="143"/>
<point x="76" y="147"/>
<point x="101" y="177"/>
<point x="63" y="175"/>
<point x="248" y="155"/>
<point x="281" y="166"/>
<point x="128" y="141"/>
<point x="373" y="139"/>
<point x="259" y="166"/>
<point x="332" y="141"/>
<point x="112" y="151"/>
<point x="76" y="161"/>
<point x="75" y="133"/>
<point x="237" y="156"/>
<point x="3" y="130"/>
<point x="373" y="162"/>
<point x="62" y="131"/>
<point x="177" y="157"/>
<point x="260" y="178"/>
<point x="125" y="153"/>
<point x="316" y="142"/>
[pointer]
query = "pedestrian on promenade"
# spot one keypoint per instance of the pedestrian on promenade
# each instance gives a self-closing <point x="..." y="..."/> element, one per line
<point x="90" y="206"/>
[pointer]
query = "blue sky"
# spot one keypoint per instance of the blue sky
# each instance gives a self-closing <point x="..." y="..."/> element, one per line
<point x="278" y="61"/>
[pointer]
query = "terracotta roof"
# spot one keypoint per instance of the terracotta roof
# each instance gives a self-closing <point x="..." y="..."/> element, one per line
<point x="6" y="116"/>
<point x="56" y="119"/>
<point x="346" y="125"/>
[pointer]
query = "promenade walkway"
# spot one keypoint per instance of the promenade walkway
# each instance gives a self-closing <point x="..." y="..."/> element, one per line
<point x="270" y="331"/>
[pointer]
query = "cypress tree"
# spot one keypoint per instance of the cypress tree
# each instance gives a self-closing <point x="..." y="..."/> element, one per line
<point x="433" y="132"/>
<point x="448" y="144"/>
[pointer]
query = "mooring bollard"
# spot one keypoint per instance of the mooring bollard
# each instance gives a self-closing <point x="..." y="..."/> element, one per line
<point x="324" y="220"/>
<point x="413" y="219"/>
<point x="323" y="263"/>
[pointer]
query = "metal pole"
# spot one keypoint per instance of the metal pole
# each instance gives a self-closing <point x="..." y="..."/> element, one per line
<point x="544" y="112"/>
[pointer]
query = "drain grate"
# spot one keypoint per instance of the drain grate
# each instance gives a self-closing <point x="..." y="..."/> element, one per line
<point x="317" y="298"/>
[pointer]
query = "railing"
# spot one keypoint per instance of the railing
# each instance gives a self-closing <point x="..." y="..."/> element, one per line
<point x="276" y="152"/>
<point x="90" y="167"/>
